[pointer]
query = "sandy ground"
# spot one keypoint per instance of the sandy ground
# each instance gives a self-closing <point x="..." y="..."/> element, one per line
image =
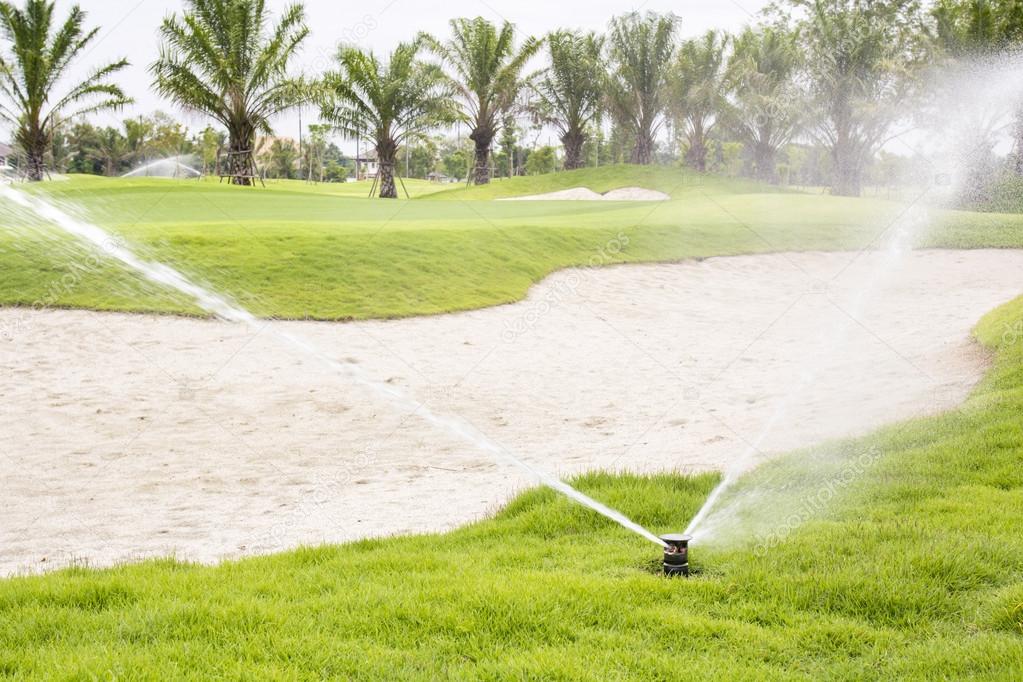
<point x="586" y="194"/>
<point x="127" y="437"/>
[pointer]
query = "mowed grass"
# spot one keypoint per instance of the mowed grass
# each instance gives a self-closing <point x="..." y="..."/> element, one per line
<point x="914" y="572"/>
<point x="295" y="250"/>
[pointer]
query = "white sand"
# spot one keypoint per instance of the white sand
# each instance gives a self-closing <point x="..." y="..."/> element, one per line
<point x="574" y="194"/>
<point x="128" y="437"/>
<point x="635" y="194"/>
<point x="585" y="194"/>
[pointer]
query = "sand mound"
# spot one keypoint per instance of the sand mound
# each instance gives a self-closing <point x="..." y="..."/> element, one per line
<point x="586" y="194"/>
<point x="136" y="436"/>
<point x="574" y="194"/>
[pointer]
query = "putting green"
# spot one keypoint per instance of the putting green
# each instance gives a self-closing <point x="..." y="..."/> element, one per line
<point x="297" y="251"/>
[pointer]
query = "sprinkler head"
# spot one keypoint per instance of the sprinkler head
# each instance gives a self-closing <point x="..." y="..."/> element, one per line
<point x="676" y="555"/>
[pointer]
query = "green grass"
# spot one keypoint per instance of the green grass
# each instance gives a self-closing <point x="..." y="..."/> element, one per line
<point x="297" y="251"/>
<point x="916" y="572"/>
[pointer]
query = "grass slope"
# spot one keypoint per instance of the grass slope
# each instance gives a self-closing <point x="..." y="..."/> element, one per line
<point x="296" y="250"/>
<point x="916" y="572"/>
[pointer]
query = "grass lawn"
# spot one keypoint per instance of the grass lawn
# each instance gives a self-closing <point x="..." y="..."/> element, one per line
<point x="295" y="250"/>
<point x="915" y="572"/>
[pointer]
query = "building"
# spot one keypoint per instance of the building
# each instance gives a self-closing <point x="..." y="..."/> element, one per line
<point x="367" y="166"/>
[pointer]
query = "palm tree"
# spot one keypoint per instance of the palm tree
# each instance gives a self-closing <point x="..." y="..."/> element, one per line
<point x="138" y="133"/>
<point x="391" y="103"/>
<point x="282" y="157"/>
<point x="42" y="53"/>
<point x="219" y="59"/>
<point x="765" y="111"/>
<point x="971" y="29"/>
<point x="698" y="92"/>
<point x="570" y="90"/>
<point x="642" y="48"/>
<point x="111" y="149"/>
<point x="488" y="76"/>
<point x="860" y="56"/>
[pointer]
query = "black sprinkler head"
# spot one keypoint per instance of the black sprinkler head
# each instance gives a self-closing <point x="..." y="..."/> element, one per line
<point x="676" y="554"/>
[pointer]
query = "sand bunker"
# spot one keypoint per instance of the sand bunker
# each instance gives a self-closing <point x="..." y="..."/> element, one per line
<point x="133" y="436"/>
<point x="585" y="194"/>
<point x="635" y="194"/>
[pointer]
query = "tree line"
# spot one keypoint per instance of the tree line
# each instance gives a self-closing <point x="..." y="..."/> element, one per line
<point x="836" y="76"/>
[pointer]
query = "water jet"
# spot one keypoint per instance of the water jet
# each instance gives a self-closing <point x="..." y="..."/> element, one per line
<point x="221" y="307"/>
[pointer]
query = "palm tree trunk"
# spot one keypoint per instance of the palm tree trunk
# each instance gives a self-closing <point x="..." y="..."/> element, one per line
<point x="240" y="157"/>
<point x="696" y="155"/>
<point x="573" y="142"/>
<point x="35" y="166"/>
<point x="643" y="152"/>
<point x="848" y="180"/>
<point x="34" y="144"/>
<point x="387" y="153"/>
<point x="845" y="154"/>
<point x="484" y="138"/>
<point x="388" y="190"/>
<point x="765" y="165"/>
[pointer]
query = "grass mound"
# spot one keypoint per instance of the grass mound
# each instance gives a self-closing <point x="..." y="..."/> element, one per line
<point x="299" y="251"/>
<point x="915" y="572"/>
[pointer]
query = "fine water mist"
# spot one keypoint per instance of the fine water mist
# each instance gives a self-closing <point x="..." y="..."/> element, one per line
<point x="955" y="133"/>
<point x="896" y="244"/>
<point x="171" y="167"/>
<point x="222" y="308"/>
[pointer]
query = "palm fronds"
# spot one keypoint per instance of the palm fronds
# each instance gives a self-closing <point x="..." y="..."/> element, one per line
<point x="41" y="54"/>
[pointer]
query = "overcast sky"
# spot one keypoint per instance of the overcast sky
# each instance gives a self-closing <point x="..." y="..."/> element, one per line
<point x="129" y="29"/>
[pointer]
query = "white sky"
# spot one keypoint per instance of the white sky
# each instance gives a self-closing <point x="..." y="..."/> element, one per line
<point x="129" y="29"/>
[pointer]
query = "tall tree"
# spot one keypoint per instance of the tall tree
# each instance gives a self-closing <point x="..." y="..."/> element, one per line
<point x="41" y="54"/>
<point x="861" y="55"/>
<point x="488" y="74"/>
<point x="169" y="137"/>
<point x="138" y="133"/>
<point x="315" y="152"/>
<point x="764" y="108"/>
<point x="110" y="148"/>
<point x="571" y="96"/>
<point x="510" y="142"/>
<point x="698" y="92"/>
<point x="970" y="29"/>
<point x="281" y="159"/>
<point x="220" y="59"/>
<point x="392" y="103"/>
<point x="642" y="49"/>
<point x="210" y="143"/>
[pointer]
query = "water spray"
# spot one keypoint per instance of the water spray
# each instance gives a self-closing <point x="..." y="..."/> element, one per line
<point x="172" y="167"/>
<point x="230" y="312"/>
